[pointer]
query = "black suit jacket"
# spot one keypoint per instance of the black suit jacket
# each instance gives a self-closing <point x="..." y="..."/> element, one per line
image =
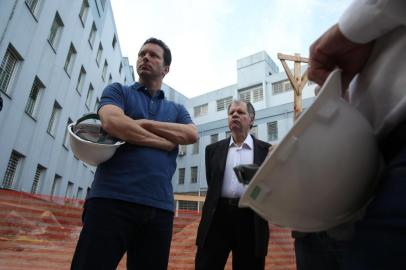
<point x="216" y="157"/>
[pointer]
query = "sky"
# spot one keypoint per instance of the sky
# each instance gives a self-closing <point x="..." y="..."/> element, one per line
<point x="207" y="37"/>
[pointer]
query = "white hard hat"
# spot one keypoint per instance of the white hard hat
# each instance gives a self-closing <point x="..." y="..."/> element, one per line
<point x="89" y="142"/>
<point x="323" y="172"/>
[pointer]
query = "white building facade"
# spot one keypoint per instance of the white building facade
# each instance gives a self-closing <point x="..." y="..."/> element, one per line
<point x="55" y="59"/>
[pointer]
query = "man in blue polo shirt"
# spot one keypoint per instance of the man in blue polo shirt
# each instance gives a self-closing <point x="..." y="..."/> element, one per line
<point x="130" y="205"/>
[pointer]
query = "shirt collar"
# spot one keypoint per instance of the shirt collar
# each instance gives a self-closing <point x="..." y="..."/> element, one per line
<point x="248" y="142"/>
<point x="139" y="87"/>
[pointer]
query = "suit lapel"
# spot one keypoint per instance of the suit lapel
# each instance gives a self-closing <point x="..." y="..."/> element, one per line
<point x="222" y="158"/>
<point x="258" y="152"/>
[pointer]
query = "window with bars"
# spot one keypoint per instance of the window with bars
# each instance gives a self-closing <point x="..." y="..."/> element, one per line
<point x="222" y="104"/>
<point x="110" y="79"/>
<point x="120" y="68"/>
<point x="92" y="35"/>
<point x="104" y="71"/>
<point x="66" y="136"/>
<point x="200" y="110"/>
<point x="33" y="6"/>
<point x="81" y="80"/>
<point x="32" y="105"/>
<point x="99" y="54"/>
<point x="228" y="134"/>
<point x="55" y="32"/>
<point x="12" y="170"/>
<point x="56" y="185"/>
<point x="182" y="150"/>
<point x="114" y="42"/>
<point x="38" y="178"/>
<point x="187" y="205"/>
<point x="195" y="149"/>
<point x="79" y="193"/>
<point x="69" y="190"/>
<point x="8" y="69"/>
<point x="83" y="11"/>
<point x="254" y="131"/>
<point x="181" y="180"/>
<point x="70" y="60"/>
<point x="193" y="174"/>
<point x="89" y="95"/>
<point x="281" y="86"/>
<point x="214" y="138"/>
<point x="272" y="131"/>
<point x="96" y="105"/>
<point x="53" y="120"/>
<point x="253" y="94"/>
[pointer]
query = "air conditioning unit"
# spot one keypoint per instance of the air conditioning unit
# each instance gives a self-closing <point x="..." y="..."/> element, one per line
<point x="181" y="153"/>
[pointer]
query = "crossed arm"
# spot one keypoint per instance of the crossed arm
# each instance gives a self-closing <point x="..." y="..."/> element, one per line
<point x="161" y="135"/>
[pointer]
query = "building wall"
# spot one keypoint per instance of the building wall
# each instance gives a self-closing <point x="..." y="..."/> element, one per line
<point x="27" y="32"/>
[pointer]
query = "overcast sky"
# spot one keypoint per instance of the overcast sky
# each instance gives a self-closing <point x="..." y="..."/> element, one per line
<point x="207" y="37"/>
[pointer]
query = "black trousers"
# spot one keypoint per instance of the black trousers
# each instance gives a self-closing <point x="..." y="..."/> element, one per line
<point x="113" y="227"/>
<point x="232" y="229"/>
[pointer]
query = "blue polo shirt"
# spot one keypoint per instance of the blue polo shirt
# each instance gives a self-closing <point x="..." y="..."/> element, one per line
<point x="136" y="173"/>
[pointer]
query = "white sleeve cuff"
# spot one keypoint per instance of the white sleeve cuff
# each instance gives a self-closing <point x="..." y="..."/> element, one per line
<point x="364" y="21"/>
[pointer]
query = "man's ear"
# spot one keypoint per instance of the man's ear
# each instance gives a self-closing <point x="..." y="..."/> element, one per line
<point x="166" y="70"/>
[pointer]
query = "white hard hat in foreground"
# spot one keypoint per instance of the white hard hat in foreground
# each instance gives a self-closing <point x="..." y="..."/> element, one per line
<point x="324" y="170"/>
<point x="89" y="142"/>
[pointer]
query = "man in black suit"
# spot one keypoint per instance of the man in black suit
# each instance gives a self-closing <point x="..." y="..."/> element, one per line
<point x="225" y="227"/>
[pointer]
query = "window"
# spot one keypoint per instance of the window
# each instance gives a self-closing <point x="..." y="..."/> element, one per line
<point x="120" y="68"/>
<point x="201" y="110"/>
<point x="181" y="176"/>
<point x="83" y="11"/>
<point x="273" y="131"/>
<point x="96" y="105"/>
<point x="281" y="86"/>
<point x="99" y="54"/>
<point x="228" y="134"/>
<point x="53" y="121"/>
<point x="66" y="137"/>
<point x="193" y="174"/>
<point x="103" y="3"/>
<point x="196" y="147"/>
<point x="69" y="190"/>
<point x="254" y="131"/>
<point x="253" y="94"/>
<point x="79" y="193"/>
<point x="81" y="80"/>
<point x="12" y="171"/>
<point x="92" y="35"/>
<point x="33" y="5"/>
<point x="8" y="69"/>
<point x="55" y="32"/>
<point x="125" y="80"/>
<point x="182" y="150"/>
<point x="34" y="98"/>
<point x="110" y="79"/>
<point x="188" y="205"/>
<point x="104" y="72"/>
<point x="56" y="185"/>
<point x="38" y="177"/>
<point x="222" y="104"/>
<point x="214" y="138"/>
<point x="113" y="43"/>
<point x="70" y="59"/>
<point x="89" y="95"/>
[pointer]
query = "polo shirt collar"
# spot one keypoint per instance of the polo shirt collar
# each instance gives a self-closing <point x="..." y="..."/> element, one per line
<point x="159" y="94"/>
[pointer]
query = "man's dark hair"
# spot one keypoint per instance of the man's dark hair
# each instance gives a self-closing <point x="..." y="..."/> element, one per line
<point x="250" y="108"/>
<point x="167" y="51"/>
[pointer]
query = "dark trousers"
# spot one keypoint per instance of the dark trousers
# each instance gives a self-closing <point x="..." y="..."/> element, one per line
<point x="232" y="229"/>
<point x="380" y="237"/>
<point x="318" y="251"/>
<point x="113" y="227"/>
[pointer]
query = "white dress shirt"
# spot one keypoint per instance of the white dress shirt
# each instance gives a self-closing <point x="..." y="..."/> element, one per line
<point x="237" y="155"/>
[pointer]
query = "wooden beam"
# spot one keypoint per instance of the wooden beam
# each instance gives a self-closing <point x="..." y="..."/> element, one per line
<point x="295" y="58"/>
